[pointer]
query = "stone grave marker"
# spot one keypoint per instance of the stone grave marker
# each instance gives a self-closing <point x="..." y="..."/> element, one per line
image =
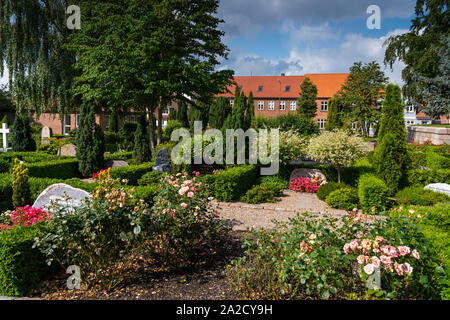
<point x="439" y="187"/>
<point x="116" y="164"/>
<point x="5" y="131"/>
<point x="162" y="161"/>
<point x="307" y="173"/>
<point x="68" y="150"/>
<point x="46" y="134"/>
<point x="62" y="194"/>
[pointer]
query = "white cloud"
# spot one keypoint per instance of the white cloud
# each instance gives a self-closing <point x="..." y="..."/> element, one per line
<point x="355" y="47"/>
<point x="322" y="32"/>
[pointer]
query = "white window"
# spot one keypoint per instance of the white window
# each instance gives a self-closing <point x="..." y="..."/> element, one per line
<point x="165" y="110"/>
<point x="410" y="109"/>
<point x="408" y="122"/>
<point x="231" y="103"/>
<point x="282" y="105"/>
<point x="66" y="127"/>
<point x="293" y="105"/>
<point x="354" y="124"/>
<point x="322" y="123"/>
<point x="324" y="106"/>
<point x="271" y="105"/>
<point x="261" y="105"/>
<point x="77" y="120"/>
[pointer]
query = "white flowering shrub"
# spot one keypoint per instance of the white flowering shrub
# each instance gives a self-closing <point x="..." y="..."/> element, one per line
<point x="337" y="147"/>
<point x="292" y="146"/>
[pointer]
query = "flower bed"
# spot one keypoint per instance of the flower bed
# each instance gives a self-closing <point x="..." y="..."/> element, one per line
<point x="303" y="184"/>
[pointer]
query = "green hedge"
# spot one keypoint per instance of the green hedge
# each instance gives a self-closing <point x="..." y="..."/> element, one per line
<point x="147" y="193"/>
<point x="419" y="196"/>
<point x="328" y="188"/>
<point x="372" y="193"/>
<point x="437" y="161"/>
<point x="57" y="169"/>
<point x="425" y="177"/>
<point x="7" y="159"/>
<point x="119" y="156"/>
<point x="22" y="268"/>
<point x="234" y="182"/>
<point x="344" y="198"/>
<point x="5" y="192"/>
<point x="132" y="173"/>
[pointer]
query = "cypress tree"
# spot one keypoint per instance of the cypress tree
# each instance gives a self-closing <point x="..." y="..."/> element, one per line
<point x="172" y="115"/>
<point x="333" y="121"/>
<point x="391" y="156"/>
<point x="21" y="138"/>
<point x="141" y="151"/>
<point x="218" y="112"/>
<point x="182" y="114"/>
<point x="113" y="127"/>
<point x="250" y="111"/>
<point x="307" y="106"/>
<point x="90" y="142"/>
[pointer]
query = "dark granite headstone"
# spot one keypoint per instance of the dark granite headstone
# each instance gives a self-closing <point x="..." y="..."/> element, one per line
<point x="162" y="162"/>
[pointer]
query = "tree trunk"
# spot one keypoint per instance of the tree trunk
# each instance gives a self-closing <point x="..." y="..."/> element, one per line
<point x="151" y="130"/>
<point x="160" y="120"/>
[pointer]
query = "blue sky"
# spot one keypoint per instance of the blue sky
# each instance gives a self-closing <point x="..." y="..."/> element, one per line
<point x="270" y="37"/>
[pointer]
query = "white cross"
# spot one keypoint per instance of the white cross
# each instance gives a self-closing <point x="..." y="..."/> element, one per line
<point x="4" y="131"/>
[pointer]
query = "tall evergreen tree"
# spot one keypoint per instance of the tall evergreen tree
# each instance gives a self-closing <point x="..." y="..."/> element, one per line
<point x="197" y="113"/>
<point x="141" y="152"/>
<point x="112" y="125"/>
<point x="307" y="106"/>
<point x="391" y="156"/>
<point x="218" y="112"/>
<point x="333" y="120"/>
<point x="21" y="138"/>
<point x="250" y="111"/>
<point x="182" y="114"/>
<point x="89" y="142"/>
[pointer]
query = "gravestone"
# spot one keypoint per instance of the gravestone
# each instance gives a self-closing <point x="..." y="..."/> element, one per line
<point x="162" y="161"/>
<point x="307" y="173"/>
<point x="116" y="164"/>
<point x="439" y="187"/>
<point x="46" y="134"/>
<point x="5" y="131"/>
<point x="68" y="150"/>
<point x="62" y="194"/>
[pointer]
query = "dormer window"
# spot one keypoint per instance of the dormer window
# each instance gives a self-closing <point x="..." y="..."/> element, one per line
<point x="240" y="88"/>
<point x="287" y="89"/>
<point x="260" y="88"/>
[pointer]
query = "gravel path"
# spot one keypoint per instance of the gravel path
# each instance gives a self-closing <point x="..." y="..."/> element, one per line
<point x="242" y="216"/>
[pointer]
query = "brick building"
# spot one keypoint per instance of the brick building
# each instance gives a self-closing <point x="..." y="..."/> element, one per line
<point x="277" y="95"/>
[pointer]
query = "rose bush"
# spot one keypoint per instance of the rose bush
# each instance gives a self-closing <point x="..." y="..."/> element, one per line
<point x="27" y="216"/>
<point x="182" y="225"/>
<point x="303" y="184"/>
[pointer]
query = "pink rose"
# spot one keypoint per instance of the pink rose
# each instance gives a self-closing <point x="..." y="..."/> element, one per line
<point x="406" y="268"/>
<point x="369" y="269"/>
<point x="347" y="248"/>
<point x="379" y="239"/>
<point x="183" y="190"/>
<point x="393" y="252"/>
<point x="404" y="250"/>
<point x="184" y="205"/>
<point x="385" y="260"/>
<point x="376" y="262"/>
<point x="361" y="259"/>
<point x="190" y="194"/>
<point x="354" y="244"/>
<point x="415" y="254"/>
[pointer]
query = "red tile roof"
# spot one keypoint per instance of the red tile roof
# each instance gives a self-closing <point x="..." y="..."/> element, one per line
<point x="275" y="86"/>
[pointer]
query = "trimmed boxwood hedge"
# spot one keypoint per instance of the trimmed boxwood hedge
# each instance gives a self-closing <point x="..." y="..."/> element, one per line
<point x="425" y="177"/>
<point x="22" y="267"/>
<point x="147" y="192"/>
<point x="437" y="161"/>
<point x="57" y="169"/>
<point x="372" y="193"/>
<point x="132" y="173"/>
<point x="234" y="182"/>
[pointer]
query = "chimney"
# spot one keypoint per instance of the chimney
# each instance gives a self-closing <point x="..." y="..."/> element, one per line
<point x="283" y="74"/>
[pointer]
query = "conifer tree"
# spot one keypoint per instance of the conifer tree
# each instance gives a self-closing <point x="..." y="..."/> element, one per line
<point x="307" y="106"/>
<point x="113" y="127"/>
<point x="141" y="152"/>
<point x="391" y="156"/>
<point x="182" y="114"/>
<point x="333" y="120"/>
<point x="218" y="112"/>
<point x="21" y="138"/>
<point x="90" y="142"/>
<point x="250" y="111"/>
